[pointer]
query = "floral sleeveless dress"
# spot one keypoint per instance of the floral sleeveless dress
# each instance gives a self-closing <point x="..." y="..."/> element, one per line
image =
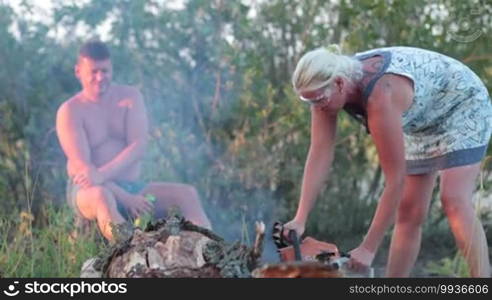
<point x="450" y="120"/>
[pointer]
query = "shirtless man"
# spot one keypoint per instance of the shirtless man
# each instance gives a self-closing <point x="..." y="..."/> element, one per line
<point x="103" y="132"/>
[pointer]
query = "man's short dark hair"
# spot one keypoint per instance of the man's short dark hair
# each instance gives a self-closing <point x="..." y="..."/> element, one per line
<point x="94" y="49"/>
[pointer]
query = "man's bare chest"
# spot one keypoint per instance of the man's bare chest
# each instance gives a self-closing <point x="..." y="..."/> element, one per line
<point x="104" y="122"/>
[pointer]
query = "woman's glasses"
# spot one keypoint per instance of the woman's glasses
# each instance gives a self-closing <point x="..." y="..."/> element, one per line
<point x="316" y="96"/>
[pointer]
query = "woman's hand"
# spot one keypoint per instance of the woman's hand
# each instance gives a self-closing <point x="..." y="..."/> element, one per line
<point x="298" y="226"/>
<point x="360" y="259"/>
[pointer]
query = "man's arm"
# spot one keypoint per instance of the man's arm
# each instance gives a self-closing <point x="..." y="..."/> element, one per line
<point x="136" y="136"/>
<point x="134" y="204"/>
<point x="73" y="139"/>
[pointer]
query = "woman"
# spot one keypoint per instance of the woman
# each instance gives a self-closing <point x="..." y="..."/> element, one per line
<point x="427" y="114"/>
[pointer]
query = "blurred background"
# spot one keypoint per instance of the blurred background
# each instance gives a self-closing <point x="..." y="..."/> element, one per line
<point x="215" y="76"/>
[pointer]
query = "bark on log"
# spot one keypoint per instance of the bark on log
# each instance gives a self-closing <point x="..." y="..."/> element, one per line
<point x="174" y="247"/>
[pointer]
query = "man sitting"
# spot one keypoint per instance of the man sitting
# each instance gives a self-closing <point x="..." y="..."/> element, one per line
<point x="103" y="132"/>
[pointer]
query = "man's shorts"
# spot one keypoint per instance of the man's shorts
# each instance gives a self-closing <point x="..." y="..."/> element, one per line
<point x="132" y="187"/>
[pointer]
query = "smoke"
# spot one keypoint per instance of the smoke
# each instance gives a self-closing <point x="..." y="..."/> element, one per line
<point x="184" y="64"/>
<point x="192" y="93"/>
<point x="239" y="224"/>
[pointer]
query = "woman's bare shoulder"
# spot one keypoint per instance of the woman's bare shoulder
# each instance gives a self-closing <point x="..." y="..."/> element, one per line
<point x="393" y="90"/>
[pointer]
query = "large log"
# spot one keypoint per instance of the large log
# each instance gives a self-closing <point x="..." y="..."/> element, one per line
<point x="174" y="247"/>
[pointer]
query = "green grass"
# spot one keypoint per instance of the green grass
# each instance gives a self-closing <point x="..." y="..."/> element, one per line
<point x="448" y="267"/>
<point x="50" y="250"/>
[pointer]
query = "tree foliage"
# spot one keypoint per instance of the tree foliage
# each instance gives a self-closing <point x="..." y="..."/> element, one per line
<point x="216" y="80"/>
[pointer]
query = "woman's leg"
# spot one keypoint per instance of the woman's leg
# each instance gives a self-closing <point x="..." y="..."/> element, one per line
<point x="457" y="186"/>
<point x="412" y="211"/>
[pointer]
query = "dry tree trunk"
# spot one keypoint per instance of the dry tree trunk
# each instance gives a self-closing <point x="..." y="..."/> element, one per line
<point x="174" y="247"/>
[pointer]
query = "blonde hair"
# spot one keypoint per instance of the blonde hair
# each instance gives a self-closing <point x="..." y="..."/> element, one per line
<point x="319" y="67"/>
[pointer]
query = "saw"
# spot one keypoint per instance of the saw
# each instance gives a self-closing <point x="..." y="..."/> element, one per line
<point x="308" y="258"/>
<point x="309" y="249"/>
